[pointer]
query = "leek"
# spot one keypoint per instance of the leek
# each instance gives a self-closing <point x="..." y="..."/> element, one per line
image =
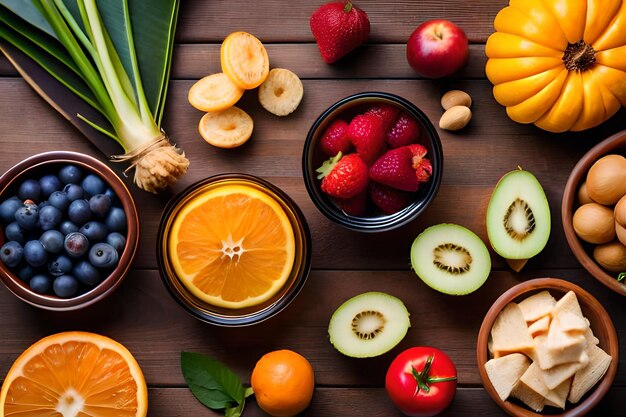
<point x="113" y="82"/>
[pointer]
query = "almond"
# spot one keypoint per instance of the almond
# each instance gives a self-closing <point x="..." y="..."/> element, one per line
<point x="455" y="118"/>
<point x="455" y="98"/>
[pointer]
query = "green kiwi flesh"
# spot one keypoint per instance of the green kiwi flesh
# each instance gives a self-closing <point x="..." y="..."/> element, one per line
<point x="368" y="325"/>
<point x="451" y="259"/>
<point x="518" y="216"/>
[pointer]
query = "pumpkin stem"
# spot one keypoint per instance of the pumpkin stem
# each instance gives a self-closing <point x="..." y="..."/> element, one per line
<point x="579" y="56"/>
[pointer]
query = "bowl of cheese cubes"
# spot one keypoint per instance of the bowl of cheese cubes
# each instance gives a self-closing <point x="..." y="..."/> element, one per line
<point x="547" y="347"/>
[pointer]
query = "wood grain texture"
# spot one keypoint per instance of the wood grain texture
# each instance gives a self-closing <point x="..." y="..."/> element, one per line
<point x="371" y="402"/>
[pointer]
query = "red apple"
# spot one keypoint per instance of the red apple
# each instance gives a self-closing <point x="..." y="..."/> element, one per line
<point x="437" y="48"/>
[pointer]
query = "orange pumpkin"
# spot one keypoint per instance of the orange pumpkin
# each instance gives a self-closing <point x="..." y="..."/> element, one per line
<point x="560" y="64"/>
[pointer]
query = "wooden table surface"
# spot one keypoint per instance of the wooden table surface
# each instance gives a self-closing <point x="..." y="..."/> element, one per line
<point x="143" y="316"/>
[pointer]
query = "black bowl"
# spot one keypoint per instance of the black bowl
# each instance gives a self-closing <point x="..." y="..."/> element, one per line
<point x="312" y="158"/>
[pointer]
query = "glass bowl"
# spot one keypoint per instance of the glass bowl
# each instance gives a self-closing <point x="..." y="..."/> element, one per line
<point x="312" y="158"/>
<point x="235" y="316"/>
<point x="50" y="162"/>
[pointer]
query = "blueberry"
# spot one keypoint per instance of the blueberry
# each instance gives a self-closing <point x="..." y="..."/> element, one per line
<point x="49" y="184"/>
<point x="27" y="216"/>
<point x="52" y="241"/>
<point x="86" y="273"/>
<point x="109" y="191"/>
<point x="70" y="174"/>
<point x="117" y="240"/>
<point x="74" y="192"/>
<point x="79" y="212"/>
<point x="26" y="272"/>
<point x="40" y="283"/>
<point x="8" y="209"/>
<point x="65" y="286"/>
<point x="34" y="253"/>
<point x="68" y="227"/>
<point x="92" y="184"/>
<point x="11" y="253"/>
<point x="29" y="190"/>
<point x="76" y="244"/>
<point x="60" y="200"/>
<point x="49" y="217"/>
<point x="100" y="204"/>
<point x="103" y="255"/>
<point x="95" y="231"/>
<point x="116" y="220"/>
<point x="60" y="265"/>
<point x="13" y="231"/>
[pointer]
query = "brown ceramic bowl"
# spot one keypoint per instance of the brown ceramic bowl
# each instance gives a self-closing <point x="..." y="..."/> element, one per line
<point x="51" y="162"/>
<point x="601" y="325"/>
<point x="582" y="250"/>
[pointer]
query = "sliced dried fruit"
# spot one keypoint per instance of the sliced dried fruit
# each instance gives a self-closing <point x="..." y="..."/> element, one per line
<point x="226" y="129"/>
<point x="281" y="92"/>
<point x="214" y="92"/>
<point x="75" y="374"/>
<point x="244" y="59"/>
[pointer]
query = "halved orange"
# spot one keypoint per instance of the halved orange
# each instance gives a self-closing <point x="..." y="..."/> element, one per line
<point x="232" y="246"/>
<point x="75" y="374"/>
<point x="214" y="92"/>
<point x="244" y="59"/>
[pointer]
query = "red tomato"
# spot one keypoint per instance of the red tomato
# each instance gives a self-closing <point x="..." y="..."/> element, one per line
<point x="421" y="381"/>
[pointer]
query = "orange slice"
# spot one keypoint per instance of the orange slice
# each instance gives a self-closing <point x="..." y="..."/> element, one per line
<point x="244" y="59"/>
<point x="75" y="374"/>
<point x="232" y="246"/>
<point x="227" y="128"/>
<point x="214" y="92"/>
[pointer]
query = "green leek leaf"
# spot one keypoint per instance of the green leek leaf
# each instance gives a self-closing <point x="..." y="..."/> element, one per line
<point x="30" y="13"/>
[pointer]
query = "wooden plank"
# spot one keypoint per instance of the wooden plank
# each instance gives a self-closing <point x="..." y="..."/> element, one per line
<point x="371" y="402"/>
<point x="142" y="316"/>
<point x="391" y="21"/>
<point x="274" y="152"/>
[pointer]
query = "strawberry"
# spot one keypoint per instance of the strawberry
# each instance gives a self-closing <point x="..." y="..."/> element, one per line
<point x="389" y="200"/>
<point x="338" y="28"/>
<point x="402" y="168"/>
<point x="368" y="136"/>
<point x="404" y="132"/>
<point x="354" y="206"/>
<point x="387" y="112"/>
<point x="343" y="176"/>
<point x="335" y="138"/>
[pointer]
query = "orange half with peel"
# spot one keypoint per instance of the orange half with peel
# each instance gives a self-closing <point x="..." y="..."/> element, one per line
<point x="244" y="59"/>
<point x="232" y="246"/>
<point x="75" y="374"/>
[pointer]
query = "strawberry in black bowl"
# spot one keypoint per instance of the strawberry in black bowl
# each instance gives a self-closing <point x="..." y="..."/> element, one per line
<point x="372" y="162"/>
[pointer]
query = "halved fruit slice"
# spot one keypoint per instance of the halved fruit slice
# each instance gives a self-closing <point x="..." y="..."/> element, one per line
<point x="368" y="325"/>
<point x="214" y="92"/>
<point x="75" y="374"/>
<point x="518" y="216"/>
<point x="227" y="128"/>
<point x="451" y="259"/>
<point x="232" y="246"/>
<point x="244" y="59"/>
<point x="281" y="92"/>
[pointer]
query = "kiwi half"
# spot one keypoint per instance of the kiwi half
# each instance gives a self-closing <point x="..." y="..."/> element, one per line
<point x="518" y="216"/>
<point x="368" y="325"/>
<point x="451" y="259"/>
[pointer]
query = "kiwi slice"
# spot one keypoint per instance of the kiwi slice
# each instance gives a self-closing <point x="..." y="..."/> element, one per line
<point x="451" y="259"/>
<point x="368" y="325"/>
<point x="518" y="216"/>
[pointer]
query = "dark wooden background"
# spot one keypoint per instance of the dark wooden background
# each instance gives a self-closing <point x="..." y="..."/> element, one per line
<point x="141" y="314"/>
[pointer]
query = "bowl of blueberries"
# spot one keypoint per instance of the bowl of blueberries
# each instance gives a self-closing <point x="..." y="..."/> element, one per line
<point x="69" y="230"/>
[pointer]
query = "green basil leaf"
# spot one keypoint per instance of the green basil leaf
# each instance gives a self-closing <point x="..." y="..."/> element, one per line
<point x="212" y="383"/>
